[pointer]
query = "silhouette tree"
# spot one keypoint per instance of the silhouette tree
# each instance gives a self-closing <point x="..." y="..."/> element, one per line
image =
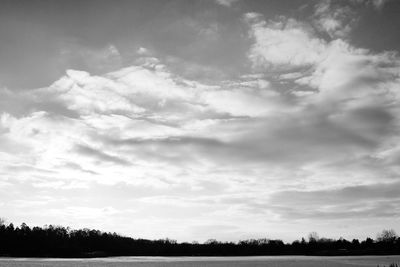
<point x="387" y="236"/>
<point x="59" y="241"/>
<point x="313" y="237"/>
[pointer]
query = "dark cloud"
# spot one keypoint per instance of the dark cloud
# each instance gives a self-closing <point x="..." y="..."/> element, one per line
<point x="376" y="201"/>
<point x="76" y="166"/>
<point x="344" y="195"/>
<point x="183" y="150"/>
<point x="99" y="155"/>
<point x="26" y="168"/>
<point x="363" y="201"/>
<point x="379" y="210"/>
<point x="174" y="141"/>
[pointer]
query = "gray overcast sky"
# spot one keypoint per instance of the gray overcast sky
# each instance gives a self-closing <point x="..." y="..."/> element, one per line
<point x="225" y="119"/>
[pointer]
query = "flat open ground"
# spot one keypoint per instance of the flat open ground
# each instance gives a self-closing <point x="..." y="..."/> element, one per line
<point x="277" y="261"/>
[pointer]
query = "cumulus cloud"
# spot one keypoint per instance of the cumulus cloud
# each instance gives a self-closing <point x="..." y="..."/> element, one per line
<point x="145" y="102"/>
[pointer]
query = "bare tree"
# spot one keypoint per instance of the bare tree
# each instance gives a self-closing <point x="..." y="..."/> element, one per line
<point x="387" y="236"/>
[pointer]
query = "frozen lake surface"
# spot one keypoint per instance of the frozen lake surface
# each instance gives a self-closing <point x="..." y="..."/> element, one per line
<point x="268" y="261"/>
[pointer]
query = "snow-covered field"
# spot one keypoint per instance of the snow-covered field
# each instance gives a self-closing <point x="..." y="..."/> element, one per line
<point x="278" y="261"/>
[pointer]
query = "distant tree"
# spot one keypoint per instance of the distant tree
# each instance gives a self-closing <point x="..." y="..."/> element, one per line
<point x="59" y="241"/>
<point x="211" y="242"/>
<point x="387" y="236"/>
<point x="2" y="221"/>
<point x="369" y="241"/>
<point x="313" y="237"/>
<point x="10" y="227"/>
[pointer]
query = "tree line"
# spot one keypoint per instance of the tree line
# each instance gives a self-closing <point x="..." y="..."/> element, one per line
<point x="59" y="241"/>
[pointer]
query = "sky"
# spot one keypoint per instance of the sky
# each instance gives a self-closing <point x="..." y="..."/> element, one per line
<point x="225" y="119"/>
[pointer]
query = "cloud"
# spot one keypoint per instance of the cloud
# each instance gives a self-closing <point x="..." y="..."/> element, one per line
<point x="364" y="201"/>
<point x="378" y="3"/>
<point x="340" y="91"/>
<point x="143" y="51"/>
<point x="244" y="101"/>
<point x="282" y="43"/>
<point x="347" y="195"/>
<point x="337" y="18"/>
<point x="71" y="121"/>
<point x="99" y="155"/>
<point x="88" y="94"/>
<point x="147" y="114"/>
<point x="333" y="18"/>
<point x="227" y="3"/>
